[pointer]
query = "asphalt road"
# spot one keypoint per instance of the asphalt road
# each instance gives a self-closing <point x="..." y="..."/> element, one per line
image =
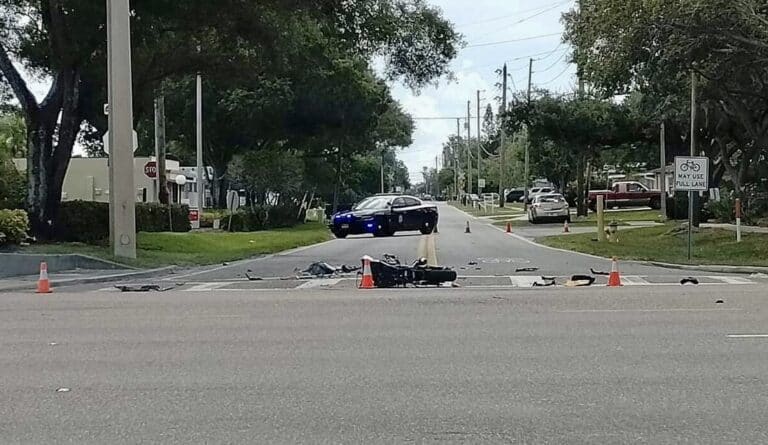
<point x="495" y="252"/>
<point x="595" y="365"/>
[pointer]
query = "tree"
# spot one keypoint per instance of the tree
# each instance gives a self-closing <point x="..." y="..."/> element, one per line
<point x="13" y="137"/>
<point x="65" y="42"/>
<point x="662" y="44"/>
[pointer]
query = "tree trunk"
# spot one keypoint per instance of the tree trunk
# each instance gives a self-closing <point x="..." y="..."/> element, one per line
<point x="581" y="209"/>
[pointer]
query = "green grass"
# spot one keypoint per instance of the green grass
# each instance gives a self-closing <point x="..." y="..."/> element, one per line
<point x="665" y="244"/>
<point x="197" y="249"/>
<point x="623" y="218"/>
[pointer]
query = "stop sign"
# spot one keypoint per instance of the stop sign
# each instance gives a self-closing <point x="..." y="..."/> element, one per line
<point x="194" y="215"/>
<point x="150" y="169"/>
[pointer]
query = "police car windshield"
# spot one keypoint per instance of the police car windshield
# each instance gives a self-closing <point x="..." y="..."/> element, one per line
<point x="376" y="203"/>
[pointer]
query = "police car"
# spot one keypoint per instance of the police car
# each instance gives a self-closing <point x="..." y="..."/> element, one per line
<point x="383" y="215"/>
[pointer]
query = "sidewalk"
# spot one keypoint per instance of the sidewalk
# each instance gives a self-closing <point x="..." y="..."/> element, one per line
<point x="73" y="278"/>
<point x="732" y="227"/>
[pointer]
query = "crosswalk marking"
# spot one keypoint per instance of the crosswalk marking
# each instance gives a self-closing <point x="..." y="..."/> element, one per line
<point x="465" y="282"/>
<point x="524" y="280"/>
<point x="314" y="284"/>
<point x="206" y="287"/>
<point x="632" y="280"/>
<point x="731" y="280"/>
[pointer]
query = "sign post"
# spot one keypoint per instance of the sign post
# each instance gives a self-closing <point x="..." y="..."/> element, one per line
<point x="738" y="220"/>
<point x="233" y="203"/>
<point x="691" y="175"/>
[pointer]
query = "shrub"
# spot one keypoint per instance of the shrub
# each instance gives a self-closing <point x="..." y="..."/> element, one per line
<point x="723" y="211"/>
<point x="13" y="187"/>
<point x="88" y="222"/>
<point x="256" y="218"/>
<point x="14" y="225"/>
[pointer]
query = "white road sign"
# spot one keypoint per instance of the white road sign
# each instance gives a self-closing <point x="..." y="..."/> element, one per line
<point x="105" y="140"/>
<point x="481" y="183"/>
<point x="691" y="174"/>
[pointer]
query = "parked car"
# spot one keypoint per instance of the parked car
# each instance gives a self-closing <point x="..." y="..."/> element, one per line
<point x="626" y="194"/>
<point x="549" y="207"/>
<point x="514" y="195"/>
<point x="532" y="193"/>
<point x="383" y="215"/>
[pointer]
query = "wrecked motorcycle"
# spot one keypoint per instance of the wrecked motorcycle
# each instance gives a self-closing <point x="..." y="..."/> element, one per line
<point x="388" y="272"/>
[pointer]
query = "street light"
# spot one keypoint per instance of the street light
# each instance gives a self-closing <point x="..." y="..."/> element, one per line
<point x="122" y="199"/>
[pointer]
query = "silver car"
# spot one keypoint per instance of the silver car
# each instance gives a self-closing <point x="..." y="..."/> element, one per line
<point x="549" y="207"/>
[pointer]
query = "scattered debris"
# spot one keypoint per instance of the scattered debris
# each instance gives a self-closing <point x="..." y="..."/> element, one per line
<point x="323" y="269"/>
<point x="253" y="278"/>
<point x="478" y="268"/>
<point x="53" y="343"/>
<point x="689" y="280"/>
<point x="225" y="264"/>
<point x="548" y="278"/>
<point x="472" y="263"/>
<point x="142" y="288"/>
<point x="580" y="281"/>
<point x="758" y="275"/>
<point x="455" y="285"/>
<point x="598" y="272"/>
<point x="719" y="302"/>
<point x="545" y="282"/>
<point x="526" y="269"/>
<point x="63" y="390"/>
<point x="462" y="268"/>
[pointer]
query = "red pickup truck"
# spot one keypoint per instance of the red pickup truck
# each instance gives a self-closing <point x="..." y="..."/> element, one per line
<point x="626" y="194"/>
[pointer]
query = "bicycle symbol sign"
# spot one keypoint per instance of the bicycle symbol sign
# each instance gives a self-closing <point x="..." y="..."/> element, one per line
<point x="691" y="173"/>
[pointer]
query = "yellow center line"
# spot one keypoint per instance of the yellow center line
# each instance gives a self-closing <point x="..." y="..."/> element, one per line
<point x="432" y="250"/>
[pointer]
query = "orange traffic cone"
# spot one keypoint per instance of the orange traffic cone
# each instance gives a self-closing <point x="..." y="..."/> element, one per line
<point x="509" y="227"/>
<point x="367" y="281"/>
<point x="614" y="279"/>
<point x="566" y="227"/>
<point x="44" y="284"/>
<point x="467" y="229"/>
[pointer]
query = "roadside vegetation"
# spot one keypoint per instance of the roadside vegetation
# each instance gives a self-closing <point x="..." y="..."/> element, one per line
<point x="198" y="249"/>
<point x="668" y="243"/>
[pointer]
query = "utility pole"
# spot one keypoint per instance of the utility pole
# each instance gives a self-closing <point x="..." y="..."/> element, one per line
<point x="479" y="155"/>
<point x="528" y="140"/>
<point x="503" y="142"/>
<point x="663" y="159"/>
<point x="456" y="163"/>
<point x="469" y="149"/>
<point x="437" y="177"/>
<point x="161" y="180"/>
<point x="691" y="194"/>
<point x="122" y="193"/>
<point x="382" y="171"/>
<point x="200" y="167"/>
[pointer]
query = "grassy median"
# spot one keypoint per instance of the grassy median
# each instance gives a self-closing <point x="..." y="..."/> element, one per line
<point x="668" y="243"/>
<point x="622" y="217"/>
<point x="202" y="248"/>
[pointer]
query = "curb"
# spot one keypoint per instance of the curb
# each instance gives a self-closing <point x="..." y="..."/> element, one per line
<point x="97" y="279"/>
<point x="708" y="268"/>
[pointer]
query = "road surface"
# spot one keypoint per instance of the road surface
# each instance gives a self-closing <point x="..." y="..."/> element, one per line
<point x="485" y="258"/>
<point x="597" y="365"/>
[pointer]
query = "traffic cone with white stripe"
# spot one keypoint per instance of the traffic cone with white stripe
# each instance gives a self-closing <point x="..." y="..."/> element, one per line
<point x="614" y="279"/>
<point x="43" y="283"/>
<point x="509" y="227"/>
<point x="566" y="227"/>
<point x="467" y="230"/>
<point x="367" y="281"/>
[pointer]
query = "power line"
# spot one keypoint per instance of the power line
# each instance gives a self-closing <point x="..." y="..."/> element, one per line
<point x="523" y="39"/>
<point x="523" y="20"/>
<point x="496" y="19"/>
<point x="557" y="77"/>
<point x="553" y="64"/>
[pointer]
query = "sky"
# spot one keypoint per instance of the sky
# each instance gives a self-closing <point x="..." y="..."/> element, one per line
<point x="483" y="23"/>
<point x="536" y="26"/>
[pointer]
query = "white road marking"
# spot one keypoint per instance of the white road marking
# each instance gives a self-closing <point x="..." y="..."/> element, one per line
<point x="612" y="311"/>
<point x="632" y="280"/>
<point x="731" y="280"/>
<point x="748" y="336"/>
<point x="314" y="284"/>
<point x="207" y="287"/>
<point x="524" y="280"/>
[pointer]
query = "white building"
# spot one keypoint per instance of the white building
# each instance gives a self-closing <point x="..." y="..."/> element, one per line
<point x="87" y="179"/>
